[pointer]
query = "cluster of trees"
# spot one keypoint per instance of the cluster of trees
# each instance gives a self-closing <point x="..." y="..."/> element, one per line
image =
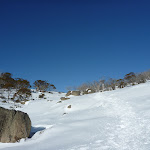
<point x="18" y="88"/>
<point x="41" y="85"/>
<point x="111" y="84"/>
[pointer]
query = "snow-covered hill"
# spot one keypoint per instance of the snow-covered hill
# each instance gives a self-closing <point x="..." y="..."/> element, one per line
<point x="115" y="120"/>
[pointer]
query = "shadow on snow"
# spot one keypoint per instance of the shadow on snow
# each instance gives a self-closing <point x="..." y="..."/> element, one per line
<point x="35" y="129"/>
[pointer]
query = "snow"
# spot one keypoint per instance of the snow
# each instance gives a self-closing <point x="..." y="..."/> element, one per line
<point x="114" y="120"/>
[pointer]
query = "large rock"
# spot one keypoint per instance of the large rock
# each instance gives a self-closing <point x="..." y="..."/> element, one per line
<point x="14" y="125"/>
<point x="75" y="93"/>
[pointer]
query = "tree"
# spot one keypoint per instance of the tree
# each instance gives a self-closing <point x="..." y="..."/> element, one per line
<point x="102" y="82"/>
<point x="22" y="94"/>
<point x="51" y="86"/>
<point x="41" y="85"/>
<point x="146" y="75"/>
<point x="2" y="82"/>
<point x="7" y="82"/>
<point x="121" y="83"/>
<point x="9" y="88"/>
<point x="130" y="77"/>
<point x="83" y="87"/>
<point x="140" y="78"/>
<point x="6" y="75"/>
<point x="21" y="83"/>
<point x="112" y="83"/>
<point x="71" y="88"/>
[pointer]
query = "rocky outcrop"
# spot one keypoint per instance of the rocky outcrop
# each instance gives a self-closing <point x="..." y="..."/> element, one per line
<point x="75" y="93"/>
<point x="64" y="98"/>
<point x="68" y="93"/>
<point x="69" y="106"/>
<point x="88" y="91"/>
<point x="14" y="125"/>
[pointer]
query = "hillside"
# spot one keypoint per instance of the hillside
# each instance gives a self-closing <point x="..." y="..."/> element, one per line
<point x="113" y="120"/>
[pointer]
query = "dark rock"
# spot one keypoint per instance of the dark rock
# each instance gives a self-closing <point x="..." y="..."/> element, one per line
<point x="69" y="106"/>
<point x="14" y="125"/>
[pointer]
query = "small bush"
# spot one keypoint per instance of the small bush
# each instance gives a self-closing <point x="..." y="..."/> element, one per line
<point x="22" y="94"/>
<point x="22" y="103"/>
<point x="2" y="97"/>
<point x="17" y="101"/>
<point x="41" y="96"/>
<point x="50" y="92"/>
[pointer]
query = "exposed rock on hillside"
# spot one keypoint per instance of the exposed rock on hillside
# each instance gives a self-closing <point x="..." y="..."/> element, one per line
<point x="64" y="98"/>
<point x="14" y="125"/>
<point x="75" y="93"/>
<point x="68" y="93"/>
<point x="88" y="91"/>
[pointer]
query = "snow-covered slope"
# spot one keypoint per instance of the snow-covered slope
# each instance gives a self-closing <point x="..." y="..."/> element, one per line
<point x="115" y="120"/>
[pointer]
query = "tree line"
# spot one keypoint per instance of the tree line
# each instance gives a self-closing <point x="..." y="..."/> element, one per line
<point x="101" y="85"/>
<point x="21" y="88"/>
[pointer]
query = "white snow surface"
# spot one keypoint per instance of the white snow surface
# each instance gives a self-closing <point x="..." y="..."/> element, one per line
<point x="113" y="120"/>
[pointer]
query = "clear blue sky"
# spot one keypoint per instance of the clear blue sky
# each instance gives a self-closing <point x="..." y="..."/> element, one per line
<point x="71" y="42"/>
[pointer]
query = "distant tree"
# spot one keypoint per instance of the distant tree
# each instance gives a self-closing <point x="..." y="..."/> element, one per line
<point x="7" y="78"/>
<point x="130" y="78"/>
<point x="41" y="85"/>
<point x="52" y="87"/>
<point x="6" y="75"/>
<point x="112" y="83"/>
<point x="83" y="87"/>
<point x="21" y="83"/>
<point x="121" y="83"/>
<point x="22" y="94"/>
<point x="140" y="78"/>
<point x="102" y="82"/>
<point x="146" y="74"/>
<point x="9" y="88"/>
<point x="2" y="82"/>
<point x="71" y="88"/>
<point x="7" y="82"/>
<point x="94" y="86"/>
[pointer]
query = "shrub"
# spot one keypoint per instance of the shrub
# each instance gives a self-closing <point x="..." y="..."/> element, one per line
<point x="21" y="83"/>
<point x="130" y="78"/>
<point x="23" y="94"/>
<point x="2" y="97"/>
<point x="42" y="95"/>
<point x="17" y="101"/>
